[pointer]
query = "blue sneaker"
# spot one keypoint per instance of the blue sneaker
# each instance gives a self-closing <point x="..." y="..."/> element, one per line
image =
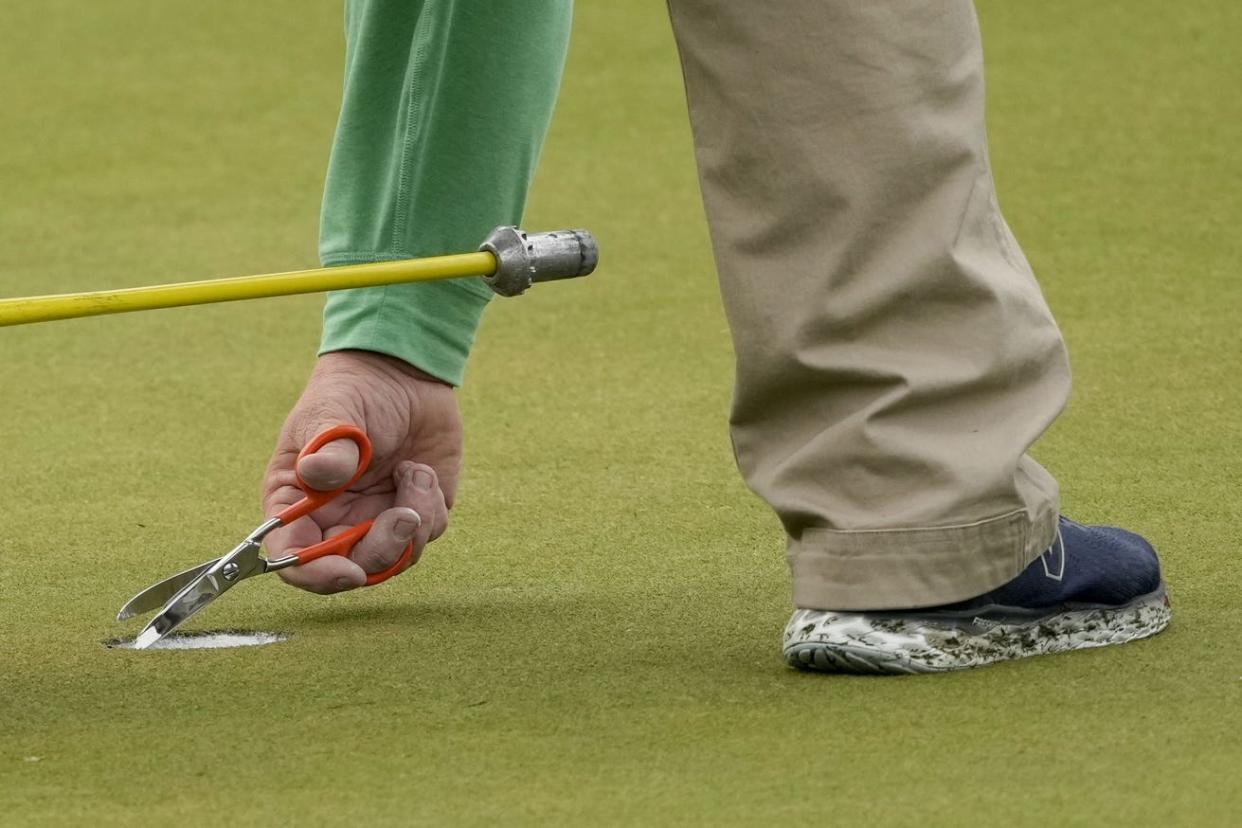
<point x="1095" y="586"/>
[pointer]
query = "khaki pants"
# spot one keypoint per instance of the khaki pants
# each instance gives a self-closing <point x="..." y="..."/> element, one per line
<point x="895" y="357"/>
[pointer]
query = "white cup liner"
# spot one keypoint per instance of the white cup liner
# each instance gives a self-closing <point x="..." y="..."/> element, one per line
<point x="206" y="640"/>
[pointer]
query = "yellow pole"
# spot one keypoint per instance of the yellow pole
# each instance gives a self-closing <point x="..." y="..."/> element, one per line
<point x="74" y="305"/>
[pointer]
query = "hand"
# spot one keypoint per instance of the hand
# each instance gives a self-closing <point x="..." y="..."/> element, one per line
<point x="415" y="430"/>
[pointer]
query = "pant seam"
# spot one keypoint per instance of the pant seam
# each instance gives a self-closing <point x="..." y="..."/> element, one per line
<point x="920" y="529"/>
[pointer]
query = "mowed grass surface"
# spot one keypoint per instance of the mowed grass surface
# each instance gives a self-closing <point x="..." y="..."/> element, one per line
<point x="596" y="639"/>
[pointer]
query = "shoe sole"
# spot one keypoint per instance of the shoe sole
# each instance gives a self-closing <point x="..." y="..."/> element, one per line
<point x="897" y="644"/>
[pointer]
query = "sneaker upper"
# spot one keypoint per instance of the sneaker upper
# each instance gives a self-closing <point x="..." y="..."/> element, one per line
<point x="1085" y="565"/>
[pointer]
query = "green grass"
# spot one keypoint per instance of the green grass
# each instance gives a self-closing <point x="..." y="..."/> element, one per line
<point x="596" y="639"/>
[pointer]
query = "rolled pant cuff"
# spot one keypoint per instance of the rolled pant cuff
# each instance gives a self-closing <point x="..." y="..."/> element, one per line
<point x="905" y="568"/>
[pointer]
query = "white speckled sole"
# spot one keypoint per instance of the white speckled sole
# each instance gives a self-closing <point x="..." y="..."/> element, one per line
<point x="897" y="643"/>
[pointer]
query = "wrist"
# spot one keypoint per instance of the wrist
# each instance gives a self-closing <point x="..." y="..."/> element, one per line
<point x="348" y="360"/>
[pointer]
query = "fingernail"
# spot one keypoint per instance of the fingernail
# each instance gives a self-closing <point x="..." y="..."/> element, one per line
<point x="405" y="528"/>
<point x="423" y="480"/>
<point x="343" y="584"/>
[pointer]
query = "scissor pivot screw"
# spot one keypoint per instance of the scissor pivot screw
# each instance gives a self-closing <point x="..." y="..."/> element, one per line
<point x="230" y="571"/>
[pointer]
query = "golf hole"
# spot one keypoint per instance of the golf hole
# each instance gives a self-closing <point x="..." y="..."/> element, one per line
<point x="205" y="640"/>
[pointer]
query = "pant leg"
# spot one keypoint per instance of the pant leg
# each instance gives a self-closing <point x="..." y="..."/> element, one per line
<point x="895" y="357"/>
<point x="443" y="113"/>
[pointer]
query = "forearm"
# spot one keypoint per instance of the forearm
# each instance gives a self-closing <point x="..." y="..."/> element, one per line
<point x="444" y="112"/>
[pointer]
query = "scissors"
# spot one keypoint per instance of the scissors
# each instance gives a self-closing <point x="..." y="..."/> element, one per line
<point x="185" y="593"/>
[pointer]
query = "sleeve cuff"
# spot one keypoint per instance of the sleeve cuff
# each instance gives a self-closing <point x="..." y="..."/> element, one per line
<point x="430" y="325"/>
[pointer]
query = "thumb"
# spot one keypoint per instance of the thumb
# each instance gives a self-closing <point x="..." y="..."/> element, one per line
<point x="331" y="466"/>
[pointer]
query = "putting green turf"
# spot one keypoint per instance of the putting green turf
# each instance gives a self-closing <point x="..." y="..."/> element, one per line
<point x="596" y="639"/>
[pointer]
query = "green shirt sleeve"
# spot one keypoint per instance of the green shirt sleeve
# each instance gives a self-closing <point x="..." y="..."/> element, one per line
<point x="443" y="114"/>
<point x="429" y="325"/>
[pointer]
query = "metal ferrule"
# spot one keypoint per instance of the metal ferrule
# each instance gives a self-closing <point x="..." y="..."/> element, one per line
<point x="280" y="563"/>
<point x="262" y="532"/>
<point x="256" y="537"/>
<point x="524" y="258"/>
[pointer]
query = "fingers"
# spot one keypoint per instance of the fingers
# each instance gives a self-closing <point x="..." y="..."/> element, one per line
<point x="428" y="498"/>
<point x="378" y="550"/>
<point x="331" y="467"/>
<point x="418" y="517"/>
<point x="325" y="576"/>
<point x="383" y="545"/>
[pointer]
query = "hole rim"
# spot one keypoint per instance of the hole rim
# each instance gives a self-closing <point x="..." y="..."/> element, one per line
<point x="273" y="637"/>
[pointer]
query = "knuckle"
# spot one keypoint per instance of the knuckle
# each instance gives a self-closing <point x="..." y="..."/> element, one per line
<point x="377" y="560"/>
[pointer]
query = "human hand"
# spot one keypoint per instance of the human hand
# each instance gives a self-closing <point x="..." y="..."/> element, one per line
<point x="414" y="426"/>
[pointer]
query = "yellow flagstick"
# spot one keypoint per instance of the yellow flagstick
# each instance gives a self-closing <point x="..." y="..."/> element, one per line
<point x="510" y="260"/>
<point x="74" y="305"/>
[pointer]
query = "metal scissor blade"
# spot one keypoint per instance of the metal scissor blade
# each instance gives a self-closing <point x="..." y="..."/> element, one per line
<point x="157" y="595"/>
<point x="243" y="562"/>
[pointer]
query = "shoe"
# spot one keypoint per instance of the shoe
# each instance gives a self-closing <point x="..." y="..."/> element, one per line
<point x="1095" y="586"/>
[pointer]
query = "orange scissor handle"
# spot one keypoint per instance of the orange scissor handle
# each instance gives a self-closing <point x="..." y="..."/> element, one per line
<point x="343" y="543"/>
<point x="316" y="497"/>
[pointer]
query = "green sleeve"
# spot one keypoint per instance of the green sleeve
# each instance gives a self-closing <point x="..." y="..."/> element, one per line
<point x="445" y="107"/>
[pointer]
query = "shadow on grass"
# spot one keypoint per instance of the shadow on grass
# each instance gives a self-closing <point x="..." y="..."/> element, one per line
<point x="665" y="641"/>
<point x="616" y="638"/>
<point x="429" y="613"/>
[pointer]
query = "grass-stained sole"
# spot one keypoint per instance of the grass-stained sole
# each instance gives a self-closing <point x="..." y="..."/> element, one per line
<point x="940" y="642"/>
